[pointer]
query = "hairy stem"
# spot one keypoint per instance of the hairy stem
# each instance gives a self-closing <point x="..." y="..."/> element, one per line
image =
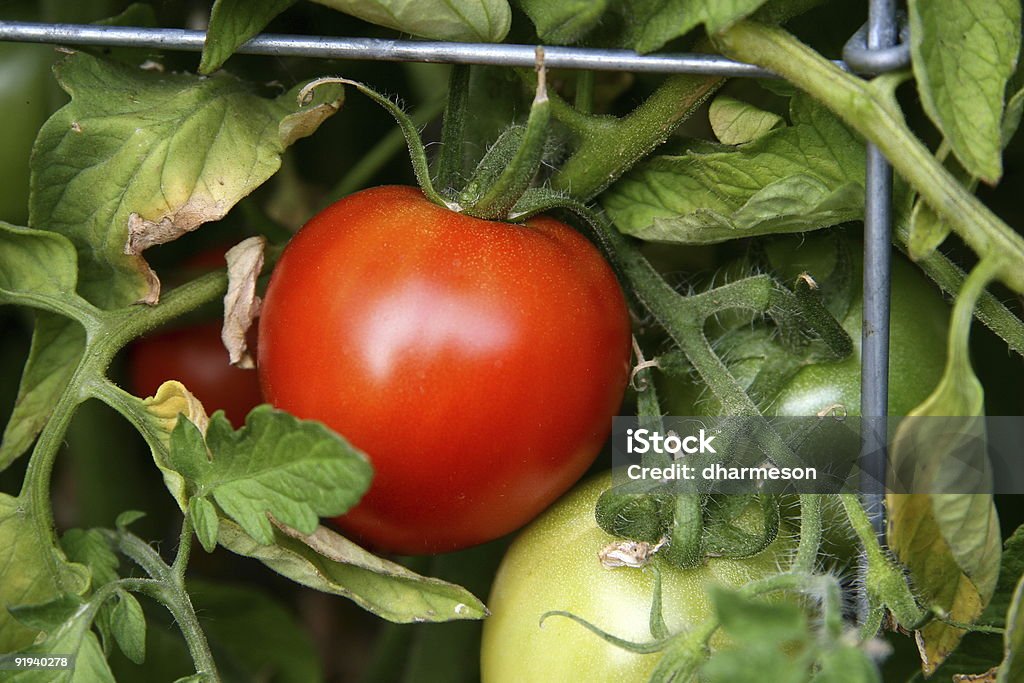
<point x="449" y="161"/>
<point x="810" y="533"/>
<point x="873" y="113"/>
<point x="168" y="588"/>
<point x="608" y="147"/>
<point x="371" y="163"/>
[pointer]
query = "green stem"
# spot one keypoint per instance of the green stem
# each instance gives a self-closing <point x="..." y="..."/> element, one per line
<point x="168" y="588"/>
<point x="74" y="307"/>
<point x="810" y="533"/>
<point x="873" y="113"/>
<point x="125" y="324"/>
<point x="949" y="277"/>
<point x="129" y="406"/>
<point x="417" y="154"/>
<point x="608" y="147"/>
<point x="584" y="95"/>
<point x="449" y="162"/>
<point x="370" y="163"/>
<point x="184" y="549"/>
<point x="862" y="527"/>
<point x="35" y="488"/>
<point x="963" y="309"/>
<point x="494" y="199"/>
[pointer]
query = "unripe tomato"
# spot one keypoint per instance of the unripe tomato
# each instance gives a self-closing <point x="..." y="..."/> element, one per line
<point x="196" y="357"/>
<point x="919" y="319"/>
<point x="553" y="565"/>
<point x="477" y="363"/>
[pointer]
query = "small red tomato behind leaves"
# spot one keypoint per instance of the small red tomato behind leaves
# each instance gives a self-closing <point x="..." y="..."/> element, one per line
<point x="195" y="356"/>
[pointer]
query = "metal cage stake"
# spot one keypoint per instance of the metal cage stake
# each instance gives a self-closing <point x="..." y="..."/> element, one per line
<point x="872" y="50"/>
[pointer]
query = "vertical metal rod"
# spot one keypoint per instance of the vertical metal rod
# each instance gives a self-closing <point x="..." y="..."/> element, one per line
<point x="882" y="33"/>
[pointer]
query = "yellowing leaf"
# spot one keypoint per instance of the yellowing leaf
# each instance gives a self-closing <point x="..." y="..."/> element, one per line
<point x="949" y="542"/>
<point x="155" y="155"/>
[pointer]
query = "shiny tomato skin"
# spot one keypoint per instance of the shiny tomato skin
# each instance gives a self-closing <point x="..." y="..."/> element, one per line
<point x="478" y="364"/>
<point x="553" y="565"/>
<point x="196" y="357"/>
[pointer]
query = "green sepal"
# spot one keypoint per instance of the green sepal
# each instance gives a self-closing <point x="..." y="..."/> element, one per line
<point x="508" y="168"/>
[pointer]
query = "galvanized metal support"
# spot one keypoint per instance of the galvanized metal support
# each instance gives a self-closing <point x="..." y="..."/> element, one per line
<point x="873" y="50"/>
<point x="376" y="49"/>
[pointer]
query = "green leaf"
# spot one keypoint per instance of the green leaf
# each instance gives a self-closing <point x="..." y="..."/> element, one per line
<point x="450" y="652"/>
<point x="1011" y="568"/>
<point x="846" y="664"/>
<point x="296" y="470"/>
<point x="750" y="621"/>
<point x="1012" y="668"/>
<point x="32" y="571"/>
<point x="57" y="347"/>
<point x="35" y="262"/>
<point x="802" y="177"/>
<point x="50" y="615"/>
<point x="66" y="622"/>
<point x="129" y="627"/>
<point x="135" y="14"/>
<point x="485" y="21"/>
<point x="155" y="155"/>
<point x="254" y="635"/>
<point x="927" y="230"/>
<point x="232" y="22"/>
<point x="963" y="55"/>
<point x="90" y="548"/>
<point x="736" y="122"/>
<point x="565" y="22"/>
<point x="753" y="662"/>
<point x="328" y="562"/>
<point x="649" y="24"/>
<point x="204" y="518"/>
<point x="127" y="518"/>
<point x="949" y="542"/>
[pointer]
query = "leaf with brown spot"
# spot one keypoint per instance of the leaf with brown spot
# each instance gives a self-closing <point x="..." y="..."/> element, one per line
<point x="140" y="157"/>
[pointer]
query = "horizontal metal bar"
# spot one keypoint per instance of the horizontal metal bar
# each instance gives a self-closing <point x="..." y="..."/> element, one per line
<point x="383" y="50"/>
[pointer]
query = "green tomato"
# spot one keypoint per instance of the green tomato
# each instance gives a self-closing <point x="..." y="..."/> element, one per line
<point x="917" y="342"/>
<point x="917" y="355"/>
<point x="554" y="565"/>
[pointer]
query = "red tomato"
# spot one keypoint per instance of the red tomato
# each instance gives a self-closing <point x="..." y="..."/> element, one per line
<point x="195" y="356"/>
<point x="477" y="363"/>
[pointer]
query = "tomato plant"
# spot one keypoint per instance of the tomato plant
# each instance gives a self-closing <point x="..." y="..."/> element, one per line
<point x="444" y="361"/>
<point x="477" y="363"/>
<point x="917" y="345"/>
<point x="553" y="565"/>
<point x="195" y="356"/>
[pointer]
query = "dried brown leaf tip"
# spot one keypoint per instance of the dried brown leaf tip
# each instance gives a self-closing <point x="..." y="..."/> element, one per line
<point x="241" y="303"/>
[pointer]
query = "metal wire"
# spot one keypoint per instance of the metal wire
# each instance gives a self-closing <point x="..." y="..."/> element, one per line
<point x="874" y="397"/>
<point x="864" y="58"/>
<point x="384" y="50"/>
